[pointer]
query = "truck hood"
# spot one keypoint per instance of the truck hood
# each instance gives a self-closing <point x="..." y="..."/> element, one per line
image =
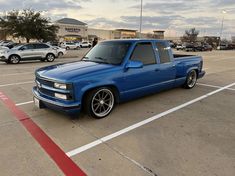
<point x="69" y="71"/>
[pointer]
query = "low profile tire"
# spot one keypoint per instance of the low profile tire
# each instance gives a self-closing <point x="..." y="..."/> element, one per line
<point x="67" y="48"/>
<point x="191" y="80"/>
<point x="14" y="59"/>
<point x="99" y="102"/>
<point x="60" y="54"/>
<point x="50" y="57"/>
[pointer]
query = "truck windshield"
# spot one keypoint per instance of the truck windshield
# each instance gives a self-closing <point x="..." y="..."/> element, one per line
<point x="108" y="52"/>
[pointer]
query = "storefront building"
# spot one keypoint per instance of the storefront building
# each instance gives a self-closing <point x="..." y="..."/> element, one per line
<point x="71" y="30"/>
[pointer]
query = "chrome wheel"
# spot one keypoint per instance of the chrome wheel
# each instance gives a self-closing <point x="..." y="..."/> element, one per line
<point x="14" y="59"/>
<point x="102" y="103"/>
<point x="192" y="79"/>
<point x="50" y="57"/>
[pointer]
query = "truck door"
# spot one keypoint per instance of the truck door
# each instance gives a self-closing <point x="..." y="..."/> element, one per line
<point x="166" y="70"/>
<point x="140" y="81"/>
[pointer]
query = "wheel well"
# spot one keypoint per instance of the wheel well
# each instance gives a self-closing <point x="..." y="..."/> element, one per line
<point x="14" y="55"/>
<point x="50" y="53"/>
<point x="113" y="88"/>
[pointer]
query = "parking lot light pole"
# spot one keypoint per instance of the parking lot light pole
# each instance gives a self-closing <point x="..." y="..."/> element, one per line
<point x="141" y="17"/>
<point x="222" y="26"/>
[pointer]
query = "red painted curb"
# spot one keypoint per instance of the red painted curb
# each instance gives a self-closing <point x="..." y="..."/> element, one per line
<point x="68" y="167"/>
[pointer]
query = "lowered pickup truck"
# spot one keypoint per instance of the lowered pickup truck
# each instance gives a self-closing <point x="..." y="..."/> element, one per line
<point x="112" y="72"/>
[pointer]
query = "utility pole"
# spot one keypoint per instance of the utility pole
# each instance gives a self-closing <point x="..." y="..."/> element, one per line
<point x="222" y="27"/>
<point x="141" y="17"/>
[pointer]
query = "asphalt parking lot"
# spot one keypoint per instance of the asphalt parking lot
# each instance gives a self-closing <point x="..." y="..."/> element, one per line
<point x="173" y="133"/>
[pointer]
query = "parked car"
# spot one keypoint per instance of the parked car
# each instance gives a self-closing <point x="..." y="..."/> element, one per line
<point x="207" y="47"/>
<point x="112" y="72"/>
<point x="180" y="47"/>
<point x="70" y="45"/>
<point x="61" y="51"/>
<point x="190" y="47"/>
<point x="31" y="51"/>
<point x="6" y="42"/>
<point x="85" y="44"/>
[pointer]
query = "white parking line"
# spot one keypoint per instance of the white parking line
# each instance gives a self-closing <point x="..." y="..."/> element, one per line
<point x="19" y="83"/>
<point x="208" y="85"/>
<point x="144" y="122"/>
<point x="25" y="103"/>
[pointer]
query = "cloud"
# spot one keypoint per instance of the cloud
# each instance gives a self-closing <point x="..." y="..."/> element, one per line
<point x="43" y="5"/>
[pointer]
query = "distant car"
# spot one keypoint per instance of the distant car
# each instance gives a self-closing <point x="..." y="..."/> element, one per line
<point x="208" y="47"/>
<point x="85" y="44"/>
<point x="31" y="51"/>
<point x="70" y="45"/>
<point x="61" y="51"/>
<point x="180" y="47"/>
<point x="6" y="42"/>
<point x="190" y="47"/>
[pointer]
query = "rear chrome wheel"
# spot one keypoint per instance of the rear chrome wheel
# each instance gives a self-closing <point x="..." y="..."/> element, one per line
<point x="191" y="79"/>
<point x="50" y="57"/>
<point x="100" y="102"/>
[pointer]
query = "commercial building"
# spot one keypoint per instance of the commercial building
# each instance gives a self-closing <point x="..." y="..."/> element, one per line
<point x="72" y="30"/>
<point x="75" y="30"/>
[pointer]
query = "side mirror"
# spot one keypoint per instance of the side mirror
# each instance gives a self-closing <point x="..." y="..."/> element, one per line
<point x="22" y="49"/>
<point x="134" y="64"/>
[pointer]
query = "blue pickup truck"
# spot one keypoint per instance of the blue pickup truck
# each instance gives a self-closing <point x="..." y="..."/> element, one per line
<point x="112" y="72"/>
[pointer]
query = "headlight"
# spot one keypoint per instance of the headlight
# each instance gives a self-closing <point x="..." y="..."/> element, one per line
<point x="61" y="96"/>
<point x="60" y="86"/>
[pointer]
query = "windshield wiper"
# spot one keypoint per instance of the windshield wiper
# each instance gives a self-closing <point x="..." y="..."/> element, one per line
<point x="85" y="58"/>
<point x="101" y="58"/>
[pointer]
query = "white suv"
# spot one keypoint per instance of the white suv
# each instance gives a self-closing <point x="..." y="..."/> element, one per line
<point x="27" y="52"/>
<point x="70" y="45"/>
<point x="85" y="44"/>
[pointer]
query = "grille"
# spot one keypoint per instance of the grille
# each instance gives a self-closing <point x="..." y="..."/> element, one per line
<point x="47" y="92"/>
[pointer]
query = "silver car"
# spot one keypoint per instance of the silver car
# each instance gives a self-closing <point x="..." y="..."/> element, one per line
<point x="27" y="52"/>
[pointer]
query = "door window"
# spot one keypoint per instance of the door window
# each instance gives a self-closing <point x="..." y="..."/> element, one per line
<point x="41" y="46"/>
<point x="144" y="52"/>
<point x="163" y="51"/>
<point x="27" y="47"/>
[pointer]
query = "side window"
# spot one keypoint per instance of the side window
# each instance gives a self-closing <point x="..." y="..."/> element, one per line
<point x="144" y="53"/>
<point x="163" y="52"/>
<point x="27" y="47"/>
<point x="41" y="46"/>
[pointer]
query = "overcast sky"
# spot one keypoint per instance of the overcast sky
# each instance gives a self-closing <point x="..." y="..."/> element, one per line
<point x="174" y="16"/>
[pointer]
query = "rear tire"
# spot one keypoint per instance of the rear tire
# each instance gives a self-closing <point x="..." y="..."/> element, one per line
<point x="99" y="103"/>
<point x="50" y="57"/>
<point x="191" y="80"/>
<point x="60" y="54"/>
<point x="14" y="59"/>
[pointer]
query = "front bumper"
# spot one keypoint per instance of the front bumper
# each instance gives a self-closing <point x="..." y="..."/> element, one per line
<point x="67" y="107"/>
<point x="3" y="58"/>
<point x="201" y="74"/>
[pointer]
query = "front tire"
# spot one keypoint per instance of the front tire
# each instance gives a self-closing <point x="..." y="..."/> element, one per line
<point x="14" y="59"/>
<point x="50" y="57"/>
<point x="191" y="80"/>
<point x="99" y="102"/>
